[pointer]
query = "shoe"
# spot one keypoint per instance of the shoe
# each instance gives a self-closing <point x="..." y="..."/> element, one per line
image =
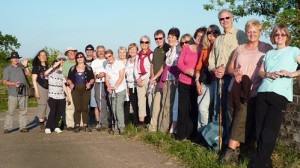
<point x="121" y="131"/>
<point x="42" y="126"/>
<point x="24" y="130"/>
<point x="87" y="129"/>
<point x="58" y="130"/>
<point x="102" y="129"/>
<point x="76" y="129"/>
<point x="48" y="131"/>
<point x="111" y="131"/>
<point x="230" y="155"/>
<point x="70" y="128"/>
<point x="6" y="131"/>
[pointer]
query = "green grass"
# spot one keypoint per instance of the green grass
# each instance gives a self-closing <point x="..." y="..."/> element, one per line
<point x="193" y="155"/>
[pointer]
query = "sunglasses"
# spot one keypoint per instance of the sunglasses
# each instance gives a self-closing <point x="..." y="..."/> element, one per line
<point x="221" y="19"/>
<point x="89" y="49"/>
<point x="212" y="32"/>
<point x="186" y="42"/>
<point x="80" y="56"/>
<point x="108" y="57"/>
<point x="159" y="38"/>
<point x="280" y="35"/>
<point x="144" y="42"/>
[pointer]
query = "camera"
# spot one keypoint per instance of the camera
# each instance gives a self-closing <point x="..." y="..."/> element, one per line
<point x="21" y="88"/>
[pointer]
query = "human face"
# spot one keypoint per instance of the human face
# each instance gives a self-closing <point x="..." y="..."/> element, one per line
<point x="199" y="37"/>
<point x="89" y="52"/>
<point x="80" y="58"/>
<point x="100" y="52"/>
<point x="172" y="40"/>
<point x="122" y="54"/>
<point x="14" y="61"/>
<point x="226" y="20"/>
<point x="71" y="55"/>
<point x="253" y="34"/>
<point x="159" y="40"/>
<point x="145" y="43"/>
<point x="280" y="37"/>
<point x="212" y="35"/>
<point x="42" y="57"/>
<point x="133" y="51"/>
<point x="109" y="58"/>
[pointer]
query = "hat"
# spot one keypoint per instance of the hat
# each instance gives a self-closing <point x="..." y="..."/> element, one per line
<point x="89" y="46"/>
<point x="14" y="54"/>
<point x="61" y="57"/>
<point x="70" y="49"/>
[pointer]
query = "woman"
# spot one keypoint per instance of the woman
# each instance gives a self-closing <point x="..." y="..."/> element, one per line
<point x="40" y="83"/>
<point x="244" y="67"/>
<point x="142" y="75"/>
<point x="116" y="86"/>
<point x="131" y="82"/>
<point x="276" y="90"/>
<point x="81" y="80"/>
<point x="187" y="108"/>
<point x="186" y="39"/>
<point x="204" y="88"/>
<point x="57" y="99"/>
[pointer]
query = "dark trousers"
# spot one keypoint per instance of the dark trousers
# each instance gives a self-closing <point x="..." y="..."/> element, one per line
<point x="81" y="99"/>
<point x="187" y="111"/>
<point x="133" y="100"/>
<point x="268" y="117"/>
<point x="57" y="108"/>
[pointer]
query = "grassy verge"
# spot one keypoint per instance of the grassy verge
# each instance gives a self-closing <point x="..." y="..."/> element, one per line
<point x="31" y="103"/>
<point x="193" y="155"/>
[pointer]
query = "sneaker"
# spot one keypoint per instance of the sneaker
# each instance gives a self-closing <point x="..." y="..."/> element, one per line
<point x="24" y="130"/>
<point x="230" y="155"/>
<point x="121" y="131"/>
<point x="57" y="130"/>
<point x="47" y="131"/>
<point x="6" y="131"/>
<point x="77" y="129"/>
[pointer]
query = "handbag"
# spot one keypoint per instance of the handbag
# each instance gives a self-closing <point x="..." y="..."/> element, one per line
<point x="205" y="76"/>
<point x="30" y="88"/>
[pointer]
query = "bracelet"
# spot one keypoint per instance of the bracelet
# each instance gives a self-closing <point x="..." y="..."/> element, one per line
<point x="196" y="79"/>
<point x="26" y="67"/>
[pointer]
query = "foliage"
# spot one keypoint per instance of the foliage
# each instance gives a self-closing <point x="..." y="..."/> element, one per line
<point x="273" y="12"/>
<point x="52" y="54"/>
<point x="8" y="43"/>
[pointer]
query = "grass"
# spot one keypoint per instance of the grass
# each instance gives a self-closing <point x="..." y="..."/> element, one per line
<point x="193" y="155"/>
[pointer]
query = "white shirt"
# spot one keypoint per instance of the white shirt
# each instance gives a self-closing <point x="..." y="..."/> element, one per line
<point x="99" y="66"/>
<point x="113" y="73"/>
<point x="147" y="65"/>
<point x="172" y="59"/>
<point x="129" y="71"/>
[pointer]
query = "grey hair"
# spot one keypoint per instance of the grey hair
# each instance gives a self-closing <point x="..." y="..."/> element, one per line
<point x="100" y="46"/>
<point x="122" y="48"/>
<point x="226" y="10"/>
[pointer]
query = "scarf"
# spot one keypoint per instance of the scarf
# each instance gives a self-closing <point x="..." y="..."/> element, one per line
<point x="142" y="57"/>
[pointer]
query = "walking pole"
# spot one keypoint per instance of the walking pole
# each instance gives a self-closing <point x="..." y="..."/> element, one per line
<point x="100" y="103"/>
<point x="220" y="115"/>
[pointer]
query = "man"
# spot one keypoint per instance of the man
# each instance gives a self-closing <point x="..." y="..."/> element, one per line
<point x="219" y="60"/>
<point x="159" y="57"/>
<point x="14" y="77"/>
<point x="89" y="49"/>
<point x="70" y="109"/>
<point x="98" y="66"/>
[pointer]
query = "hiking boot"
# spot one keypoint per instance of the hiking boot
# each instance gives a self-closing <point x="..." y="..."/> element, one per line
<point x="24" y="130"/>
<point x="47" y="131"/>
<point x="102" y="129"/>
<point x="111" y="131"/>
<point x="57" y="130"/>
<point x="121" y="131"/>
<point x="6" y="131"/>
<point x="230" y="155"/>
<point x="87" y="129"/>
<point x="70" y="128"/>
<point x="77" y="129"/>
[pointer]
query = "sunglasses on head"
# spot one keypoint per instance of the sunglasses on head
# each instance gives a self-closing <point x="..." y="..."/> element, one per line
<point x="144" y="42"/>
<point x="159" y="38"/>
<point x="221" y="19"/>
<point x="212" y="32"/>
<point x="186" y="42"/>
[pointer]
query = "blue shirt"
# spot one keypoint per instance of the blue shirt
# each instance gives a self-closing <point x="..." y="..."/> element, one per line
<point x="277" y="60"/>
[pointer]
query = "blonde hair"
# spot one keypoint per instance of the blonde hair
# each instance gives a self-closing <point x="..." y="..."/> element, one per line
<point x="131" y="45"/>
<point x="253" y="23"/>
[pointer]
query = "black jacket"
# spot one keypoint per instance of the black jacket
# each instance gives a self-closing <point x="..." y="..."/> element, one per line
<point x="88" y="74"/>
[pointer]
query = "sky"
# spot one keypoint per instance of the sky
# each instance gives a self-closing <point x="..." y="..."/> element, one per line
<point x="59" y="24"/>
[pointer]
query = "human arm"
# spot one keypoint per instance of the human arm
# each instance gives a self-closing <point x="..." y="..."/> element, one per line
<point x="26" y="68"/>
<point x="181" y="65"/>
<point x="157" y="75"/>
<point x="233" y="70"/>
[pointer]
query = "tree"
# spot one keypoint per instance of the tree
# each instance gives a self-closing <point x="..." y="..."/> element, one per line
<point x="8" y="43"/>
<point x="52" y="54"/>
<point x="273" y="12"/>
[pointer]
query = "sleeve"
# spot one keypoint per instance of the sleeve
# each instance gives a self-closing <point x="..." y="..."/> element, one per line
<point x="296" y="53"/>
<point x="148" y="66"/>
<point x="90" y="73"/>
<point x="136" y="72"/>
<point x="200" y="62"/>
<point x="70" y="74"/>
<point x="5" y="74"/>
<point x="35" y="70"/>
<point x="181" y="64"/>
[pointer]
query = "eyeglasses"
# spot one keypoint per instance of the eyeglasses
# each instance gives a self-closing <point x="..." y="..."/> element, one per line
<point x="144" y="42"/>
<point x="159" y="38"/>
<point x="221" y="19"/>
<point x="89" y="49"/>
<point x="186" y="42"/>
<point x="108" y="57"/>
<point x="212" y="32"/>
<point x="80" y="56"/>
<point x="280" y="35"/>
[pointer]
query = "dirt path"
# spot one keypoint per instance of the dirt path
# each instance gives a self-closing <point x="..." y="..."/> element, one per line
<point x="71" y="150"/>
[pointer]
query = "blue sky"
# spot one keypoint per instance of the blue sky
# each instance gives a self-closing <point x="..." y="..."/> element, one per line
<point x="59" y="24"/>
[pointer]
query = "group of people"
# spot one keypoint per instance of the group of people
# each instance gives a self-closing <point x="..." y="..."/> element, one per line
<point x="178" y="88"/>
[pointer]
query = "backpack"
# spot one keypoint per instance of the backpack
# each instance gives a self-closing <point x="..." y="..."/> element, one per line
<point x="211" y="135"/>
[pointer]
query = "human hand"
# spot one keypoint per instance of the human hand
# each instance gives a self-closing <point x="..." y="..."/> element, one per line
<point x="199" y="88"/>
<point x="25" y="62"/>
<point x="220" y="71"/>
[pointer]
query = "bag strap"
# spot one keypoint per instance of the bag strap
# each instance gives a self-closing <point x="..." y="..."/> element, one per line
<point x="27" y="80"/>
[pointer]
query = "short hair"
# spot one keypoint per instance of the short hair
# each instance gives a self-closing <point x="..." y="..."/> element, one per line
<point x="100" y="46"/>
<point x="109" y="51"/>
<point x="175" y="32"/>
<point x="201" y="29"/>
<point x="283" y="28"/>
<point x="253" y="23"/>
<point x="225" y="10"/>
<point x="159" y="31"/>
<point x="146" y="37"/>
<point x="131" y="45"/>
<point x="76" y="56"/>
<point x="122" y="48"/>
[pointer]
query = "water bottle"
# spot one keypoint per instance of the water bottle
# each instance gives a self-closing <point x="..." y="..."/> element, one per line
<point x="150" y="89"/>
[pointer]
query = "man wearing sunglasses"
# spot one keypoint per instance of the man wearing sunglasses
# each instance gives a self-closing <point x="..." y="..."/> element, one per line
<point x="159" y="57"/>
<point x="219" y="60"/>
<point x="89" y="49"/>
